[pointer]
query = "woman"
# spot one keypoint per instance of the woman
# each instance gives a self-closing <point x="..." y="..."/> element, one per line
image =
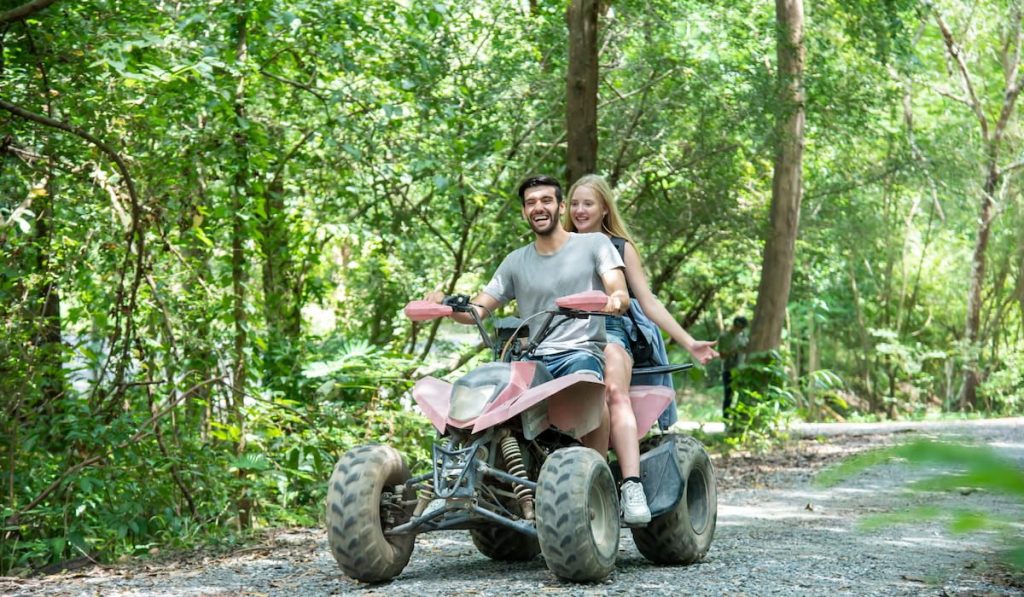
<point x="592" y="209"/>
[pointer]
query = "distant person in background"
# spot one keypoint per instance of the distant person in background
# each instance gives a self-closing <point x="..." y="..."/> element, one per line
<point x="731" y="345"/>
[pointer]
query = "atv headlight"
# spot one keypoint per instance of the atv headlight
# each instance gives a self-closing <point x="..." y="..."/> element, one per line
<point x="468" y="401"/>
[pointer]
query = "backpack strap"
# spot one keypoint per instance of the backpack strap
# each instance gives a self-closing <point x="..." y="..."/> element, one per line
<point x="620" y="246"/>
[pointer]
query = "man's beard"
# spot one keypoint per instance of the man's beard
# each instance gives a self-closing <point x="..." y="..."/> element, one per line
<point x="545" y="229"/>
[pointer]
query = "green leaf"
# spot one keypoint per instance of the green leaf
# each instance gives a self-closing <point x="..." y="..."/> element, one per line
<point x="202" y="236"/>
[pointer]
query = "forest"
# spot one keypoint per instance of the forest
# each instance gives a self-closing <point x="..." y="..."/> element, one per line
<point x="212" y="214"/>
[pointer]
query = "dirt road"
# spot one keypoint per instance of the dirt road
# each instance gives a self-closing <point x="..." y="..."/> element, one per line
<point x="778" y="534"/>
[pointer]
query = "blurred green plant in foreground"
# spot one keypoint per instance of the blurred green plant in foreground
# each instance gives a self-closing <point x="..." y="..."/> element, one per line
<point x="965" y="468"/>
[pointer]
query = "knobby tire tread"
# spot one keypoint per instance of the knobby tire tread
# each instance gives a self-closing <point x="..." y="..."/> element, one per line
<point x="670" y="538"/>
<point x="354" y="530"/>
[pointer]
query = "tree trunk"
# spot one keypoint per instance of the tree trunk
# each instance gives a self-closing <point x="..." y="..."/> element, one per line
<point x="1018" y="291"/>
<point x="777" y="264"/>
<point x="969" y="392"/>
<point x="992" y="135"/>
<point x="48" y="340"/>
<point x="49" y="357"/>
<point x="581" y="90"/>
<point x="862" y="358"/>
<point x="239" y="196"/>
<point x="280" y="303"/>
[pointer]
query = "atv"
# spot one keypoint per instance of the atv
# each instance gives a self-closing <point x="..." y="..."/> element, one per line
<point x="508" y="466"/>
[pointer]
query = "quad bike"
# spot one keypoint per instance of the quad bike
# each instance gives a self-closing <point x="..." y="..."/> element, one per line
<point x="508" y="466"/>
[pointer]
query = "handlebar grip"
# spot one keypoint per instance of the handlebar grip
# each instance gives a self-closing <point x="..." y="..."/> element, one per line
<point x="426" y="310"/>
<point x="591" y="300"/>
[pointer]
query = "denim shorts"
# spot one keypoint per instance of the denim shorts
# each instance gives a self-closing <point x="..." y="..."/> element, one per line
<point x="615" y="330"/>
<point x="561" y="364"/>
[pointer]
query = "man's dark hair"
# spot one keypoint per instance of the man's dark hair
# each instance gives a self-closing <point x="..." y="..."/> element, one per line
<point x="740" y="322"/>
<point x="539" y="181"/>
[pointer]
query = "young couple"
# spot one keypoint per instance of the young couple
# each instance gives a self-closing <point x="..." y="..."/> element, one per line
<point x="580" y="257"/>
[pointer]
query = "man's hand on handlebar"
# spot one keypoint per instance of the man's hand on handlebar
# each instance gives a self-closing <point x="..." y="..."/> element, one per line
<point x="482" y="304"/>
<point x="616" y="305"/>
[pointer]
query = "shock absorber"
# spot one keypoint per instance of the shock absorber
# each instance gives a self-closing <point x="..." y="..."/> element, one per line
<point x="424" y="495"/>
<point x="514" y="464"/>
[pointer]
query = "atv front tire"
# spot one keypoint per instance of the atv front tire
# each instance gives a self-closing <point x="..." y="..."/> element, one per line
<point x="357" y="517"/>
<point x="578" y="515"/>
<point x="504" y="544"/>
<point x="683" y="535"/>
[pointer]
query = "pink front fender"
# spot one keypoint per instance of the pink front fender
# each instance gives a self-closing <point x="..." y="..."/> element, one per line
<point x="433" y="397"/>
<point x="571" y="384"/>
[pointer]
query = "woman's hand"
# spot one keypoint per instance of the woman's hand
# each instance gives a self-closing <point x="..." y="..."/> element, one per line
<point x="434" y="296"/>
<point x="702" y="350"/>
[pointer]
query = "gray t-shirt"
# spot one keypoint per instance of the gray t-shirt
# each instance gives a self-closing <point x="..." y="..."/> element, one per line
<point x="536" y="280"/>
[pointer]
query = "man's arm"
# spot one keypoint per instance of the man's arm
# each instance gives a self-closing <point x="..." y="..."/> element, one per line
<point x="488" y="303"/>
<point x="615" y="286"/>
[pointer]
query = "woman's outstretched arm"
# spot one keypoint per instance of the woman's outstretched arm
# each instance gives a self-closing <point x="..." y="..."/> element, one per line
<point x="702" y="350"/>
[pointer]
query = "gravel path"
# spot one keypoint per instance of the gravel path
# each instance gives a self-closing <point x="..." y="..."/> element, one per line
<point x="778" y="534"/>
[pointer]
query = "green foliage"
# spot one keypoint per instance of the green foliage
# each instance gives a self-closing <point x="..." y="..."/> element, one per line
<point x="1003" y="389"/>
<point x="763" y="398"/>
<point x="289" y="199"/>
<point x="964" y="468"/>
<point x="821" y="396"/>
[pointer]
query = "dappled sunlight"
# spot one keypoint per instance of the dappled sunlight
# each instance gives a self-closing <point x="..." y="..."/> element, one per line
<point x="744" y="515"/>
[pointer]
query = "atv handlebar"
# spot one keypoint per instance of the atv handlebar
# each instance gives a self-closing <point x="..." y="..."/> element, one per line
<point x="577" y="306"/>
<point x="583" y="304"/>
<point x="428" y="310"/>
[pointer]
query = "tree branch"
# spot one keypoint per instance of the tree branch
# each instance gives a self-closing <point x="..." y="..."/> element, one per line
<point x="24" y="11"/>
<point x="1013" y="84"/>
<point x="26" y="155"/>
<point x="17" y="211"/>
<point x="957" y="54"/>
<point x="78" y="132"/>
<point x="307" y="88"/>
<point x="1011" y="167"/>
<point x="950" y="95"/>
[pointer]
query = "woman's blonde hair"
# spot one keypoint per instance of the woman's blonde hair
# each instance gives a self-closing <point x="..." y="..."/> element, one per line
<point x="612" y="222"/>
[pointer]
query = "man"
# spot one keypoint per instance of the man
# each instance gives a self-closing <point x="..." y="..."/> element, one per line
<point x="558" y="263"/>
<point x="730" y="347"/>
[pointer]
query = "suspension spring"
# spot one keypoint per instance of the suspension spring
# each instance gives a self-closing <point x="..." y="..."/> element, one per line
<point x="425" y="493"/>
<point x="514" y="465"/>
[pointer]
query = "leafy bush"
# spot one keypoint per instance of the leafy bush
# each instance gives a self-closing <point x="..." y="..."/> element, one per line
<point x="821" y="396"/>
<point x="357" y="393"/>
<point x="763" y="399"/>
<point x="1003" y="388"/>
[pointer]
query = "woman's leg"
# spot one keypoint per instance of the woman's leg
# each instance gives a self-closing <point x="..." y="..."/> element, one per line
<point x="617" y="373"/>
<point x="618" y="370"/>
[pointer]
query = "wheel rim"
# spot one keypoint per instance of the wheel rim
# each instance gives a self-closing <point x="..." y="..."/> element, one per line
<point x="697" y="500"/>
<point x="604" y="516"/>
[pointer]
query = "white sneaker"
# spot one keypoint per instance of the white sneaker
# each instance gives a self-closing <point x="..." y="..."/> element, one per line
<point x="634" y="504"/>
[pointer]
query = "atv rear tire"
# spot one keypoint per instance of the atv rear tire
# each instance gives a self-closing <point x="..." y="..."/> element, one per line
<point x="683" y="535"/>
<point x="355" y="530"/>
<point x="504" y="544"/>
<point x="578" y="515"/>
